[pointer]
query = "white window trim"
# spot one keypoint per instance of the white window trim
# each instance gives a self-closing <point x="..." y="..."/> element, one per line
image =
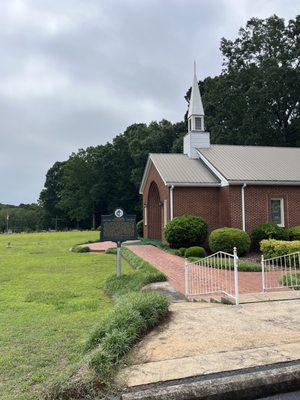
<point x="282" y="224"/>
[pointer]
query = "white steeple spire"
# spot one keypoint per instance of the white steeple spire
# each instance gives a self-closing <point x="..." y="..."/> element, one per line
<point x="197" y="137"/>
<point x="195" y="106"/>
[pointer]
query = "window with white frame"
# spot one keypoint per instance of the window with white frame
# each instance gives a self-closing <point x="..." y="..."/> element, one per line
<point x="277" y="211"/>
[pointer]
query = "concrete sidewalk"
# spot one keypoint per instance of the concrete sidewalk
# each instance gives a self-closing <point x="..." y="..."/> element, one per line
<point x="203" y="338"/>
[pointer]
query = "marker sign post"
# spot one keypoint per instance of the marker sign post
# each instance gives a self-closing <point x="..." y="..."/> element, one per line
<point x="118" y="227"/>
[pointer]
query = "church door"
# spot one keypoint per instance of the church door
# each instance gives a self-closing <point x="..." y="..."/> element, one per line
<point x="154" y="213"/>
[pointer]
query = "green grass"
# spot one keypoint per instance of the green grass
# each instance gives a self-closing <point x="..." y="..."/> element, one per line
<point x="50" y="299"/>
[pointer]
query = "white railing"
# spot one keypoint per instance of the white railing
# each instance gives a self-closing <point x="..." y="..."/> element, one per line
<point x="215" y="274"/>
<point x="281" y="272"/>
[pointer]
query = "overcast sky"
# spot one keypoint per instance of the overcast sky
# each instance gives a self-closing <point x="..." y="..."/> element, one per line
<point x="74" y="73"/>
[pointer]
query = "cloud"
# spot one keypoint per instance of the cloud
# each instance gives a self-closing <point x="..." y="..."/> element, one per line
<point x="75" y="73"/>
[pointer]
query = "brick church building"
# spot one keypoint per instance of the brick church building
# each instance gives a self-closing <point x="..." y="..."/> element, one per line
<point x="227" y="185"/>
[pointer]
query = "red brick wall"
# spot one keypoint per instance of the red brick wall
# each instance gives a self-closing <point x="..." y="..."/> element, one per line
<point x="257" y="204"/>
<point x="235" y="207"/>
<point x="223" y="206"/>
<point x="201" y="201"/>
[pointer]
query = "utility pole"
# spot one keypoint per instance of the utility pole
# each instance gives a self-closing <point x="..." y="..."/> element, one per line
<point x="7" y="219"/>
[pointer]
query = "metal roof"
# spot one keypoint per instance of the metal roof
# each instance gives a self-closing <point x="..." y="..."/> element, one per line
<point x="180" y="170"/>
<point x="255" y="163"/>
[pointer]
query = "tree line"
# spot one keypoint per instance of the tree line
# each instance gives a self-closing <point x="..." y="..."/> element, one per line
<point x="22" y="218"/>
<point x="254" y="101"/>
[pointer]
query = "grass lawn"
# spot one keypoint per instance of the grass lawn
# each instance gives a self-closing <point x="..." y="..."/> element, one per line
<point x="50" y="299"/>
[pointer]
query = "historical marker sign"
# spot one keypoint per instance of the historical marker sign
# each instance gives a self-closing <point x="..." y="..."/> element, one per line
<point x="118" y="227"/>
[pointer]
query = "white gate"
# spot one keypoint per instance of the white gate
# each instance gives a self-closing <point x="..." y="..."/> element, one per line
<point x="215" y="274"/>
<point x="281" y="272"/>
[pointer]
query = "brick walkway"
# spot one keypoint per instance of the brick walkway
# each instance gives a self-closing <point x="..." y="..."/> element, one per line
<point x="173" y="267"/>
<point x="100" y="247"/>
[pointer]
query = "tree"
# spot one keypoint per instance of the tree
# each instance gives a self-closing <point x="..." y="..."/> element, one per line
<point x="22" y="218"/>
<point x="75" y="194"/>
<point x="50" y="195"/>
<point x="255" y="101"/>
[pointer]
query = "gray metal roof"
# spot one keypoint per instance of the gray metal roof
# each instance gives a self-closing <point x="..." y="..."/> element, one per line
<point x="180" y="169"/>
<point x="255" y="163"/>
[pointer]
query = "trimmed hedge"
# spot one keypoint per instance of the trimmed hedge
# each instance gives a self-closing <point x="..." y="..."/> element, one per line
<point x="140" y="228"/>
<point x="133" y="316"/>
<point x="275" y="248"/>
<point x="225" y="239"/>
<point x="186" y="231"/>
<point x="267" y="230"/>
<point x="195" y="251"/>
<point x="294" y="233"/>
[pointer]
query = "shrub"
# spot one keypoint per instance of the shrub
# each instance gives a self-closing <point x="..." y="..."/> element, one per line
<point x="111" y="250"/>
<point x="276" y="248"/>
<point x="182" y="251"/>
<point x="267" y="230"/>
<point x="195" y="251"/>
<point x="186" y="231"/>
<point x="81" y="249"/>
<point x="133" y="316"/>
<point x="294" y="233"/>
<point x="225" y="239"/>
<point x="140" y="228"/>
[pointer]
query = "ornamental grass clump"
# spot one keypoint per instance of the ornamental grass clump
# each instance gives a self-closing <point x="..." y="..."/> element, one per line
<point x="186" y="231"/>
<point x="291" y="280"/>
<point x="225" y="239"/>
<point x="133" y="316"/>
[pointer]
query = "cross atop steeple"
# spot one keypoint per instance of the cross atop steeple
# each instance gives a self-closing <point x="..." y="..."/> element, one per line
<point x="196" y="112"/>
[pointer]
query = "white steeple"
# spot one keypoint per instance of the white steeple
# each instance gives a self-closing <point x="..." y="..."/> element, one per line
<point x="196" y="138"/>
<point x="196" y="112"/>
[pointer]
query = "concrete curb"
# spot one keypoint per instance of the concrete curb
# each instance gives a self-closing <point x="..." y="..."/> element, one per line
<point x="240" y="385"/>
